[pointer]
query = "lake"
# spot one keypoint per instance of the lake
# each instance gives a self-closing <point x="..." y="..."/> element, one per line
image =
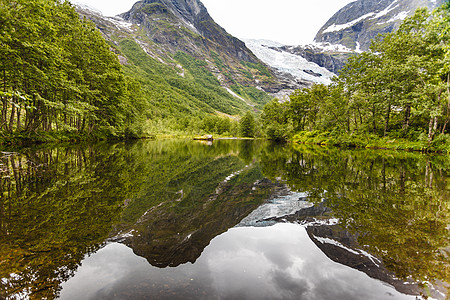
<point x="231" y="219"/>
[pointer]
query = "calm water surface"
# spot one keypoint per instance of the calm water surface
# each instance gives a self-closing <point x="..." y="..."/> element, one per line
<point x="178" y="219"/>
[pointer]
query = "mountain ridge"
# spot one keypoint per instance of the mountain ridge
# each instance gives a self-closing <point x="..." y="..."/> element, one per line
<point x="165" y="28"/>
<point x="351" y="29"/>
<point x="358" y="22"/>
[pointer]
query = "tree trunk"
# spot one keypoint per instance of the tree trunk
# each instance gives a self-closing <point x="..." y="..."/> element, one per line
<point x="373" y="120"/>
<point x="448" y="105"/>
<point x="4" y="102"/>
<point x="432" y="126"/>
<point x="18" y="120"/>
<point x="360" y="117"/>
<point x="435" y="125"/>
<point x="348" y="121"/>
<point x="78" y="118"/>
<point x="388" y="115"/>
<point x="56" y="120"/>
<point x="11" y="118"/>
<point x="407" y="117"/>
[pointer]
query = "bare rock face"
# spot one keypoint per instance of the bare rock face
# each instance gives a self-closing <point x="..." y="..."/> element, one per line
<point x="164" y="28"/>
<point x="357" y="23"/>
<point x="186" y="25"/>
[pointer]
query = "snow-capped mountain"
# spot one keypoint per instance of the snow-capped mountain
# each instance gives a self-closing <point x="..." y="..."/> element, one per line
<point x="164" y="29"/>
<point x="349" y="31"/>
<point x="282" y="60"/>
<point x="360" y="21"/>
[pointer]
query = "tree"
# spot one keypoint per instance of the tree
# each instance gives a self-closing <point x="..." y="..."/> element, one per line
<point x="58" y="73"/>
<point x="277" y="120"/>
<point x="247" y="125"/>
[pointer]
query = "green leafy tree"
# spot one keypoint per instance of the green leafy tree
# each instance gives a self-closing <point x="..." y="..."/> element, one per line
<point x="247" y="125"/>
<point x="276" y="122"/>
<point x="400" y="88"/>
<point x="57" y="73"/>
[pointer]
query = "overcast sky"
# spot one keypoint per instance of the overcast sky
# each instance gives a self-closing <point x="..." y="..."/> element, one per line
<point x="286" y="21"/>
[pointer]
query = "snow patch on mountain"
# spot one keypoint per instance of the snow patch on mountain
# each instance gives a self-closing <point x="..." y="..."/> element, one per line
<point x="401" y="16"/>
<point x="120" y="23"/>
<point x="327" y="47"/>
<point x="282" y="61"/>
<point x="85" y="7"/>
<point x="387" y="10"/>
<point x="371" y="15"/>
<point x="340" y="27"/>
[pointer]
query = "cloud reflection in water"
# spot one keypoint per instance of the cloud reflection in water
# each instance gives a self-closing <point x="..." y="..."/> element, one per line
<point x="277" y="262"/>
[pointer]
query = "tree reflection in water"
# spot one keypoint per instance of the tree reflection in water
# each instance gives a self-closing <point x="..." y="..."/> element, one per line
<point x="168" y="199"/>
<point x="395" y="203"/>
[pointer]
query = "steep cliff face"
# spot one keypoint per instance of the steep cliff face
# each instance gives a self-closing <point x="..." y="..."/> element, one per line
<point x="360" y="21"/>
<point x="186" y="25"/>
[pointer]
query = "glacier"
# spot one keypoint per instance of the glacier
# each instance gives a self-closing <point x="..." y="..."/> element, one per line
<point x="282" y="61"/>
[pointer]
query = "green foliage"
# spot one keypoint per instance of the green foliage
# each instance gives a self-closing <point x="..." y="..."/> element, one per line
<point x="398" y="90"/>
<point x="69" y="78"/>
<point x="395" y="202"/>
<point x="247" y="125"/>
<point x="61" y="79"/>
<point x="249" y="92"/>
<point x="261" y="68"/>
<point x="216" y="96"/>
<point x="276" y="121"/>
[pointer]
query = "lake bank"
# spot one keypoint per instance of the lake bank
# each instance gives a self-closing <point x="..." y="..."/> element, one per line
<point x="439" y="145"/>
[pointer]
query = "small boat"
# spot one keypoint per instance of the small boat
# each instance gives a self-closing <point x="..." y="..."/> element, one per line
<point x="204" y="138"/>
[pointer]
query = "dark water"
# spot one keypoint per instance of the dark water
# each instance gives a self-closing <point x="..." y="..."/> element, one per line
<point x="178" y="219"/>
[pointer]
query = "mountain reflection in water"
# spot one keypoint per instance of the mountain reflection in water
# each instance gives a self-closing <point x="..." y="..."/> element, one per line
<point x="235" y="219"/>
<point x="277" y="262"/>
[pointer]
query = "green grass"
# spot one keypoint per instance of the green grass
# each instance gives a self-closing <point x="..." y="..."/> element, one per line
<point x="440" y="144"/>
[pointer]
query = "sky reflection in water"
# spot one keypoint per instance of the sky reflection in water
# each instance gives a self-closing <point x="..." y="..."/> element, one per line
<point x="277" y="262"/>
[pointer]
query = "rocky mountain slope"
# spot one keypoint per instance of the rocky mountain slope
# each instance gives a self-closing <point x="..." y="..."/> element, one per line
<point x="187" y="26"/>
<point x="351" y="29"/>
<point x="360" y="21"/>
<point x="181" y="35"/>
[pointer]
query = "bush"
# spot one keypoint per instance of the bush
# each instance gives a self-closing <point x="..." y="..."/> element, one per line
<point x="441" y="143"/>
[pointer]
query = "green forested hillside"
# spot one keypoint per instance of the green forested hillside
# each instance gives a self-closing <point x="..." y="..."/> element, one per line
<point x="397" y="95"/>
<point x="60" y="79"/>
<point x="188" y="98"/>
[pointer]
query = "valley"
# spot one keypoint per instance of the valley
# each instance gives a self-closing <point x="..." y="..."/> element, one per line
<point x="154" y="155"/>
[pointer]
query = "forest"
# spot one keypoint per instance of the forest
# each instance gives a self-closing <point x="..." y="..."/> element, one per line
<point x="397" y="91"/>
<point x="59" y="75"/>
<point x="61" y="80"/>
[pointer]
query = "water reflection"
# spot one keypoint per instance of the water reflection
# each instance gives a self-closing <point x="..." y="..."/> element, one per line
<point x="278" y="262"/>
<point x="160" y="213"/>
<point x="396" y="203"/>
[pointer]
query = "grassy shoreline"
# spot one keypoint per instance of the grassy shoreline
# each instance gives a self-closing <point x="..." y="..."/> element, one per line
<point x="441" y="144"/>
